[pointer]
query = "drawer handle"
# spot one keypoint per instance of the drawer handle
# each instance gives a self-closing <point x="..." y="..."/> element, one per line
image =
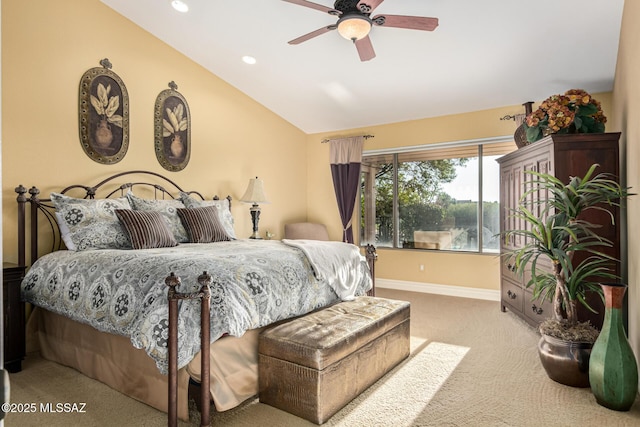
<point x="511" y="295"/>
<point x="511" y="268"/>
<point x="537" y="310"/>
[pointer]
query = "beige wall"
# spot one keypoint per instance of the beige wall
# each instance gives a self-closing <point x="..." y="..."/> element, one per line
<point x="47" y="46"/>
<point x="626" y="107"/>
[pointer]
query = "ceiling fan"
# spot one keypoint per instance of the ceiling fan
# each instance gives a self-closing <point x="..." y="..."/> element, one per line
<point x="355" y="22"/>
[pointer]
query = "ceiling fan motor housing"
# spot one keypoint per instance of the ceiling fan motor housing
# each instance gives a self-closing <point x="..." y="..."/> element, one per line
<point x="350" y="9"/>
<point x="347" y="6"/>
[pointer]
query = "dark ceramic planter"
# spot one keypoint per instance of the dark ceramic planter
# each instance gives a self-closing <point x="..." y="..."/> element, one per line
<point x="565" y="362"/>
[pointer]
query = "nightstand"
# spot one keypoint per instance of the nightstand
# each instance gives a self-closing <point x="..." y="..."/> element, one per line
<point x="14" y="332"/>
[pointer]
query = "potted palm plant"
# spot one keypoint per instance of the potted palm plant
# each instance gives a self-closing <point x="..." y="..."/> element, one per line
<point x="565" y="258"/>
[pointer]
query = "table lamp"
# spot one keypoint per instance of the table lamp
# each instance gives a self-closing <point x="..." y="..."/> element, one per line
<point x="255" y="194"/>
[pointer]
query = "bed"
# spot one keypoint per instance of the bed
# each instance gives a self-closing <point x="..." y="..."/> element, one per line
<point x="101" y="306"/>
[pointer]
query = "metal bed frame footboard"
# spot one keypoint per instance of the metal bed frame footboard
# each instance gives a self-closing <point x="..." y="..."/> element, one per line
<point x="204" y="295"/>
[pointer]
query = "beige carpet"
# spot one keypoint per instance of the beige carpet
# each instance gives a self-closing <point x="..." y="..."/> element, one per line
<point x="470" y="365"/>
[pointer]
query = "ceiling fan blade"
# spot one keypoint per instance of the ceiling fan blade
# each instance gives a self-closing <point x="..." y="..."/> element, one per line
<point x="367" y="6"/>
<point x="315" y="6"/>
<point x="313" y="34"/>
<point x="365" y="49"/>
<point x="410" y="22"/>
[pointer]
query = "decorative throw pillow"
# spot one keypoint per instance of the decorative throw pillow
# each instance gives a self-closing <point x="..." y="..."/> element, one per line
<point x="146" y="229"/>
<point x="167" y="208"/>
<point x="90" y="223"/>
<point x="224" y="210"/>
<point x="203" y="225"/>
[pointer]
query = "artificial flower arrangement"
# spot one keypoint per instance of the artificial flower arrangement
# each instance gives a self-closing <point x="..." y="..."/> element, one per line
<point x="574" y="112"/>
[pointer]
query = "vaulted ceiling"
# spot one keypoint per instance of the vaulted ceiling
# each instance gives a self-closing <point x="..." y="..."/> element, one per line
<point x="484" y="54"/>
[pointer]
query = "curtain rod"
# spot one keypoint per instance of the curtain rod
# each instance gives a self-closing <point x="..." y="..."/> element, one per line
<point x="364" y="136"/>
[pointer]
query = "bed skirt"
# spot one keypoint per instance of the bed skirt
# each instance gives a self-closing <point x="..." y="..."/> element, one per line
<point x="112" y="360"/>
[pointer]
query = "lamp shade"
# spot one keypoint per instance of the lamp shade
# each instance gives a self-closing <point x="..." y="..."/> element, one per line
<point x="354" y="26"/>
<point x="255" y="192"/>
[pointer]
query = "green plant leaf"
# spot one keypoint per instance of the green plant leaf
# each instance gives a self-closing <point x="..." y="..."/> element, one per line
<point x="533" y="133"/>
<point x="598" y="127"/>
<point x="587" y="110"/>
<point x="577" y="121"/>
<point x="587" y="124"/>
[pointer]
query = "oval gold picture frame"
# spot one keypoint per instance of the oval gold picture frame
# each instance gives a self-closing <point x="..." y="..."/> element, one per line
<point x="172" y="129"/>
<point x="103" y="109"/>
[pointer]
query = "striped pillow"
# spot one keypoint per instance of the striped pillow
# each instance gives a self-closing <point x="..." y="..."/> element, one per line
<point x="224" y="210"/>
<point x="167" y="209"/>
<point x="146" y="229"/>
<point x="203" y="225"/>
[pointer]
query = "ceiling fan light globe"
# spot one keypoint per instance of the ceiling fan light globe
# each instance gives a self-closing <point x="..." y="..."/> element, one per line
<point x="354" y="27"/>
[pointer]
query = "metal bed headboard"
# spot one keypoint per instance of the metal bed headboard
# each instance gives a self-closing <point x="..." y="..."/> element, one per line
<point x="107" y="188"/>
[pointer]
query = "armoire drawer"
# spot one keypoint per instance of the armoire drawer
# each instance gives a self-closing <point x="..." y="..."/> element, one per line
<point x="509" y="270"/>
<point x="537" y="310"/>
<point x="512" y="294"/>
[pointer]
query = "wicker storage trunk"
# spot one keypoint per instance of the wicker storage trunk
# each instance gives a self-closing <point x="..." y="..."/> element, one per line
<point x="314" y="365"/>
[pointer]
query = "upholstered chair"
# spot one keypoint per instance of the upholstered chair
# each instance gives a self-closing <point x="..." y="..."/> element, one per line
<point x="306" y="230"/>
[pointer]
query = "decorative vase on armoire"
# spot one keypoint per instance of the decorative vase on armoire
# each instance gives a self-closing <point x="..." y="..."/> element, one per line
<point x="613" y="371"/>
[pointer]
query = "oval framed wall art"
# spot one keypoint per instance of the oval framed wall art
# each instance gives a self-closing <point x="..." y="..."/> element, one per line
<point x="172" y="129"/>
<point x="103" y="109"/>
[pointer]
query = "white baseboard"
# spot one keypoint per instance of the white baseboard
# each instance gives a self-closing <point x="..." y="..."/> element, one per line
<point x="432" y="288"/>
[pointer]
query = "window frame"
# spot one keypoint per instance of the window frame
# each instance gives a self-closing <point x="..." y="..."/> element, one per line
<point x="505" y="144"/>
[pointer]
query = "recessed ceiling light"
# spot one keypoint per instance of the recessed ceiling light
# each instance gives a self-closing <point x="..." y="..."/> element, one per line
<point x="180" y="6"/>
<point x="249" y="59"/>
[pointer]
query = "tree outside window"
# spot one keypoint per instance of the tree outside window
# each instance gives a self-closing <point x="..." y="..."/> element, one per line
<point x="433" y="199"/>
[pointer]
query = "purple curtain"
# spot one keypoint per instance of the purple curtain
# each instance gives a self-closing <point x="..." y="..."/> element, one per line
<point x="346" y="156"/>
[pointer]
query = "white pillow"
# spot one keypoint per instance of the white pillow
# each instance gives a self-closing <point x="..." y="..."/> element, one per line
<point x="65" y="233"/>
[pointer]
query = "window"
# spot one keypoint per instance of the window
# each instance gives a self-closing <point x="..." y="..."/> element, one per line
<point x="435" y="197"/>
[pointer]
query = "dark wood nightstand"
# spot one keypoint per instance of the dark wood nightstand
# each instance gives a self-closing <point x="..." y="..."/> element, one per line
<point x="14" y="333"/>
